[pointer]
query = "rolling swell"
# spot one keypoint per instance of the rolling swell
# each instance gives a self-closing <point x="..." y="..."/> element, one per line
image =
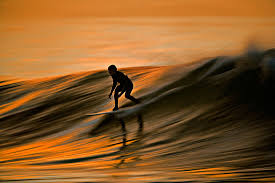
<point x="211" y="123"/>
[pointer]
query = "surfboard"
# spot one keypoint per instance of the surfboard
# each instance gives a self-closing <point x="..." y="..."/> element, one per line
<point x="102" y="113"/>
<point x="119" y="111"/>
<point x="136" y="108"/>
<point x="123" y="110"/>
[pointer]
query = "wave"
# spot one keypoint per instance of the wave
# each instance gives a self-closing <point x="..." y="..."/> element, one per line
<point x="208" y="121"/>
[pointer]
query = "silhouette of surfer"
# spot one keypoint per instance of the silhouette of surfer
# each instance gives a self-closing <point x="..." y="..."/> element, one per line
<point x="126" y="86"/>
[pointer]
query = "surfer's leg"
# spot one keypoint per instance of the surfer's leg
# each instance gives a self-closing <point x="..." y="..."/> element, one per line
<point x="129" y="96"/>
<point x="118" y="89"/>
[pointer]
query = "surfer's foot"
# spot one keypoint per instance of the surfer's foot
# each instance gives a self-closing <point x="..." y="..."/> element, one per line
<point x="115" y="108"/>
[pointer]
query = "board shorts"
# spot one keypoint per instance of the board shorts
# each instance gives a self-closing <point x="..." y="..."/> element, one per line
<point x="129" y="87"/>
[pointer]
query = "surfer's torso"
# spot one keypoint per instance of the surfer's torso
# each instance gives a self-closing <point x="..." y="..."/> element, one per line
<point x="121" y="78"/>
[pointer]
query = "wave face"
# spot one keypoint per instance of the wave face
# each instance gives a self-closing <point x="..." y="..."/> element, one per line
<point x="208" y="122"/>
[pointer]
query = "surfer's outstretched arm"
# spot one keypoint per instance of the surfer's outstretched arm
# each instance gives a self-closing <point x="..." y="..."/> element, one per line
<point x="113" y="87"/>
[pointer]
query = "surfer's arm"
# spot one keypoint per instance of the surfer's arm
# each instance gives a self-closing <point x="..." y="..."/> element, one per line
<point x="113" y="87"/>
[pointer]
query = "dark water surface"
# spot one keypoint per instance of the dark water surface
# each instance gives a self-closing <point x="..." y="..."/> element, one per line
<point x="209" y="122"/>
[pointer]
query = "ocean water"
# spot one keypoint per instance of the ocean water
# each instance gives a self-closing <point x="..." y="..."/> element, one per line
<point x="42" y="48"/>
<point x="209" y="121"/>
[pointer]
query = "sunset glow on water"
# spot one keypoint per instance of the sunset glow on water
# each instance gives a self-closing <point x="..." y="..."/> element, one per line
<point x="203" y="72"/>
<point x="48" y="48"/>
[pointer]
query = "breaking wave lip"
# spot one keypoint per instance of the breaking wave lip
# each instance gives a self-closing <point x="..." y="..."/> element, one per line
<point x="218" y="114"/>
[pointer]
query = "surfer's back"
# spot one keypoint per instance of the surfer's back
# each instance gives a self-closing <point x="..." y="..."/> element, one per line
<point x="121" y="78"/>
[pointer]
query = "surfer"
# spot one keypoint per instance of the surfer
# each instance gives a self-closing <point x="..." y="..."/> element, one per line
<point x="126" y="86"/>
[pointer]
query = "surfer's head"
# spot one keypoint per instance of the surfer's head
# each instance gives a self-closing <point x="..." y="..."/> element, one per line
<point x="112" y="69"/>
